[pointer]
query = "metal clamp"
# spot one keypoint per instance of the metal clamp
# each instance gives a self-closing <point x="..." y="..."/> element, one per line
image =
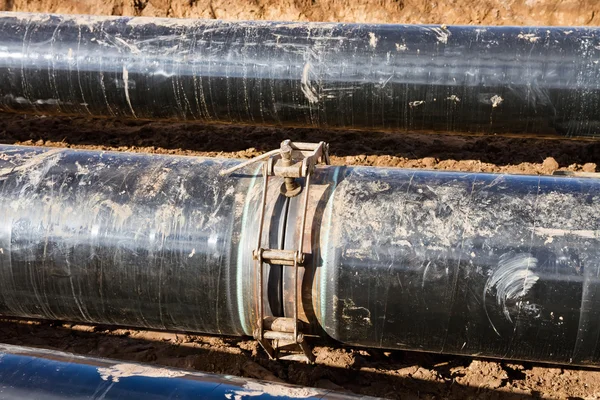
<point x="291" y="161"/>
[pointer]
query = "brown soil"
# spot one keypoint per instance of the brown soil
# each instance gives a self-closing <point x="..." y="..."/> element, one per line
<point x="415" y="150"/>
<point x="373" y="372"/>
<point x="390" y="374"/>
<point x="450" y="12"/>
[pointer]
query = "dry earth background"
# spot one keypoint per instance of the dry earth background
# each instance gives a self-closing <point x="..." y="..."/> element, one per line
<point x="373" y="372"/>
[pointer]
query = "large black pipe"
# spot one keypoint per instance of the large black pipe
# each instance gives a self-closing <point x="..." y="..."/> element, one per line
<point x="124" y="239"/>
<point x="518" y="80"/>
<point x="39" y="374"/>
<point x="475" y="264"/>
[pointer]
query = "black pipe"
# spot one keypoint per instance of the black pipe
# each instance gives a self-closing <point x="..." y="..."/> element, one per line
<point x="505" y="266"/>
<point x="124" y="239"/>
<point x="40" y="374"/>
<point x="475" y="264"/>
<point x="517" y="80"/>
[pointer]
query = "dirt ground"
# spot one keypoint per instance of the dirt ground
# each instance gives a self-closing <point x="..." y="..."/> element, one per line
<point x="450" y="12"/>
<point x="393" y="374"/>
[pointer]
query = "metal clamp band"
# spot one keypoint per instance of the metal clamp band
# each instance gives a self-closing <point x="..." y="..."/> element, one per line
<point x="291" y="161"/>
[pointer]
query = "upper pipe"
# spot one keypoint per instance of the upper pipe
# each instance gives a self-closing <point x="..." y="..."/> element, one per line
<point x="518" y="80"/>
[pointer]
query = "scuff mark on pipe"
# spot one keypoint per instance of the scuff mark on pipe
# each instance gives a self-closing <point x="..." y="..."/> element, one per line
<point x="307" y="88"/>
<point x="512" y="280"/>
<point x="528" y="36"/>
<point x="33" y="162"/>
<point x="126" y="86"/>
<point x="496" y="101"/>
<point x="442" y="34"/>
<point x="373" y="40"/>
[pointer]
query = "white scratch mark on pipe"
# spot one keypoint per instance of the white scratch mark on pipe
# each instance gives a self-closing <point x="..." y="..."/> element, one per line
<point x="453" y="98"/>
<point x="192" y="253"/>
<point x="416" y="103"/>
<point x="373" y="40"/>
<point x="307" y="87"/>
<point x="131" y="47"/>
<point x="442" y="34"/>
<point x="425" y="274"/>
<point x="386" y="81"/>
<point x="126" y="87"/>
<point x="401" y="47"/>
<point x="31" y="167"/>
<point x="528" y="36"/>
<point x="496" y="100"/>
<point x="85" y="317"/>
<point x="512" y="280"/>
<point x="103" y="87"/>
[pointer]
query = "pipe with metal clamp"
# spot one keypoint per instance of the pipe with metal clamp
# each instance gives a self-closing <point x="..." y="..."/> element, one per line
<point x="463" y="263"/>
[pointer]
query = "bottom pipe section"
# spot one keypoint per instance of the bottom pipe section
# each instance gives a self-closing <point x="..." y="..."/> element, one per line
<point x="39" y="374"/>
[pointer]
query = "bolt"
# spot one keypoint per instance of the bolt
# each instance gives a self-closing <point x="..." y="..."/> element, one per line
<point x="286" y="152"/>
<point x="290" y="187"/>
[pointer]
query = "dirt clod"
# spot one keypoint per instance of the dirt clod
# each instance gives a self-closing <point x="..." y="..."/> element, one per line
<point x="589" y="167"/>
<point x="549" y="166"/>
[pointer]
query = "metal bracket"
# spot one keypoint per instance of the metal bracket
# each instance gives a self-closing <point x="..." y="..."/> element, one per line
<point x="291" y="161"/>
